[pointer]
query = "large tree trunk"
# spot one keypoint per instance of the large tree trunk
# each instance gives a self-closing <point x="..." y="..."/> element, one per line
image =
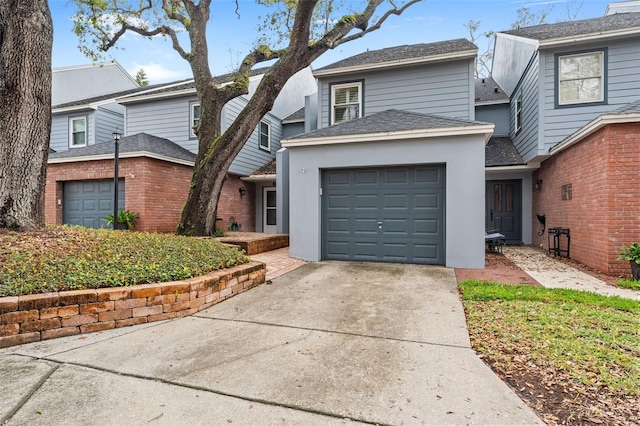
<point x="26" y="39"/>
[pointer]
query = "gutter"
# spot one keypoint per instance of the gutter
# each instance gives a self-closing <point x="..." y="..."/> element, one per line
<point x="134" y="154"/>
<point x="592" y="127"/>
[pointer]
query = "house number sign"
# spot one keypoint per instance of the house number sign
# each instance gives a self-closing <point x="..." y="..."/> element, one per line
<point x="566" y="192"/>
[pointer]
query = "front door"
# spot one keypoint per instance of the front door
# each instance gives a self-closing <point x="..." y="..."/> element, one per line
<point x="269" y="210"/>
<point x="504" y="208"/>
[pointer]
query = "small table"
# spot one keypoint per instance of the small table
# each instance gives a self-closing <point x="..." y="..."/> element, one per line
<point x="494" y="241"/>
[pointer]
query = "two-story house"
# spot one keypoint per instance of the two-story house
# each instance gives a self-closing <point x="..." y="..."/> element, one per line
<point x="574" y="117"/>
<point x="395" y="170"/>
<point x="157" y="153"/>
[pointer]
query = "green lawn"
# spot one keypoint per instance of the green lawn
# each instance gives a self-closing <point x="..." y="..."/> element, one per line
<point x="71" y="258"/>
<point x="575" y="348"/>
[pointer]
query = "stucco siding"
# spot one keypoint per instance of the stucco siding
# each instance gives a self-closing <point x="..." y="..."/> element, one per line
<point x="440" y="88"/>
<point x="622" y="87"/>
<point x="510" y="59"/>
<point x="461" y="155"/>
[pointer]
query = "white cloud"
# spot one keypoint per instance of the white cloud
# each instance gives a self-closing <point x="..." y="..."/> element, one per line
<point x="158" y="73"/>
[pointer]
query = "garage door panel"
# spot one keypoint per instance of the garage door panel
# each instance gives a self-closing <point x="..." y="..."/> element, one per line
<point x="408" y="203"/>
<point x="87" y="203"/>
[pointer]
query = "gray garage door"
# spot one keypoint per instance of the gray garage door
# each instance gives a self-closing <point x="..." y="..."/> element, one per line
<point x="88" y="202"/>
<point x="384" y="214"/>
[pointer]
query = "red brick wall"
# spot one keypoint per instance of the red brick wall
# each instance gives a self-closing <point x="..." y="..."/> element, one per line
<point x="155" y="189"/>
<point x="604" y="212"/>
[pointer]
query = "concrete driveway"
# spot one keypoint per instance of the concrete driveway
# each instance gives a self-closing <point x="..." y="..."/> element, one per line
<point x="329" y="343"/>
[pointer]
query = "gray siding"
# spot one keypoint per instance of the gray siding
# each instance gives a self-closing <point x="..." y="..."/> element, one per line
<point x="169" y="119"/>
<point x="292" y="129"/>
<point x="439" y="88"/>
<point x="59" y="140"/>
<point x="106" y="123"/>
<point x="526" y="141"/>
<point x="510" y="59"/>
<point x="497" y="114"/>
<point x="623" y="87"/>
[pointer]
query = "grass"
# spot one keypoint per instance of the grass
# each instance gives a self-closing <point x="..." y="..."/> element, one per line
<point x="72" y="258"/>
<point x="592" y="340"/>
<point x="632" y="284"/>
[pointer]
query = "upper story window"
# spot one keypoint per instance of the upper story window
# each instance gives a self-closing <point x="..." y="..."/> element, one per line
<point x="581" y="78"/>
<point x="346" y="102"/>
<point x="194" y="118"/>
<point x="77" y="132"/>
<point x="517" y="114"/>
<point x="265" y="136"/>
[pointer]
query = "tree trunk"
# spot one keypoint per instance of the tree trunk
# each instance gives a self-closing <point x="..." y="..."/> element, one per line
<point x="26" y="39"/>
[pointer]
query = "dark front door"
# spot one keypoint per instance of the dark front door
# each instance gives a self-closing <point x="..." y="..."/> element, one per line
<point x="504" y="208"/>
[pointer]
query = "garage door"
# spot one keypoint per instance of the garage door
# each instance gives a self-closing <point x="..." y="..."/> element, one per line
<point x="384" y="214"/>
<point x="88" y="202"/>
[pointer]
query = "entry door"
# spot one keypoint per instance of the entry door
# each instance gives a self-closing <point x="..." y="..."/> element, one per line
<point x="504" y="208"/>
<point x="269" y="210"/>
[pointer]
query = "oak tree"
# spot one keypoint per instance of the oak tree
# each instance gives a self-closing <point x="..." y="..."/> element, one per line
<point x="26" y="41"/>
<point x="303" y="29"/>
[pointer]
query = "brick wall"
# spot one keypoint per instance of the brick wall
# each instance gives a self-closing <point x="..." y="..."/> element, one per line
<point x="25" y="319"/>
<point x="604" y="211"/>
<point x="155" y="189"/>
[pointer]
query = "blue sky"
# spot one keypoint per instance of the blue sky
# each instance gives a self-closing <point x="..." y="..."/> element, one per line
<point x="230" y="38"/>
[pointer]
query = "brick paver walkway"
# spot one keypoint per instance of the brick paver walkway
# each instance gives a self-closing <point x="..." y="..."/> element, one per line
<point x="278" y="262"/>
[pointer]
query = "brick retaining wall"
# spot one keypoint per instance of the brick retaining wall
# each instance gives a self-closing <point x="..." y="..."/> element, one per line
<point x="25" y="319"/>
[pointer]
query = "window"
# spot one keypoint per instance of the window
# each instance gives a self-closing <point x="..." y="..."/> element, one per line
<point x="518" y="114"/>
<point x="77" y="132"/>
<point x="194" y="119"/>
<point x="265" y="138"/>
<point x="346" y="102"/>
<point x="581" y="78"/>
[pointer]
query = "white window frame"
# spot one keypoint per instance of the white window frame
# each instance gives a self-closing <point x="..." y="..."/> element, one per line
<point x="517" y="114"/>
<point x="192" y="118"/>
<point x="601" y="97"/>
<point x="336" y="87"/>
<point x="268" y="135"/>
<point x="71" y="133"/>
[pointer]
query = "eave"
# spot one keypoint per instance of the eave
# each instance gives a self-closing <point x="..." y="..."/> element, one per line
<point x="592" y="127"/>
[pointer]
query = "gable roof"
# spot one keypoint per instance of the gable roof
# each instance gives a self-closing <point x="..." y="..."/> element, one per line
<point x="296" y="117"/>
<point x="400" y="56"/>
<point x="391" y="124"/>
<point x="488" y="91"/>
<point x="138" y="145"/>
<point x="586" y="29"/>
<point x="183" y="87"/>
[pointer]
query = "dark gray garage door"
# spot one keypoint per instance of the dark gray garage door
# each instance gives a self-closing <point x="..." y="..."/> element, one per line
<point x="88" y="202"/>
<point x="384" y="214"/>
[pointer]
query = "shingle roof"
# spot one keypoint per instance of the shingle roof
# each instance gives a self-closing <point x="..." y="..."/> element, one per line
<point x="399" y="53"/>
<point x="268" y="169"/>
<point x="619" y="21"/>
<point x="500" y="151"/>
<point x="140" y="142"/>
<point x="487" y="90"/>
<point x="295" y="117"/>
<point x="108" y="96"/>
<point x="190" y="84"/>
<point x="388" y="122"/>
<point x="630" y="108"/>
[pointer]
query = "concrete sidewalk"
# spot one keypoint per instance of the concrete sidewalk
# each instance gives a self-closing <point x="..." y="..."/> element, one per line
<point x="552" y="273"/>
<point x="329" y="343"/>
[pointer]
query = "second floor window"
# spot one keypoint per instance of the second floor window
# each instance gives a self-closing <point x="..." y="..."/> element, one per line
<point x="346" y="102"/>
<point x="518" y="114"/>
<point x="265" y="138"/>
<point x="194" y="119"/>
<point x="581" y="78"/>
<point x="77" y="132"/>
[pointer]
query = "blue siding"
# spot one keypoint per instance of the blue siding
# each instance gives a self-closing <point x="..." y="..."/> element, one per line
<point x="438" y="88"/>
<point x="106" y="123"/>
<point x="623" y="87"/>
<point x="169" y="119"/>
<point x="526" y="141"/>
<point x="497" y="114"/>
<point x="59" y="139"/>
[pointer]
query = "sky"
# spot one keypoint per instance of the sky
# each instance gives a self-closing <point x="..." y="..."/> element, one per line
<point x="231" y="38"/>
